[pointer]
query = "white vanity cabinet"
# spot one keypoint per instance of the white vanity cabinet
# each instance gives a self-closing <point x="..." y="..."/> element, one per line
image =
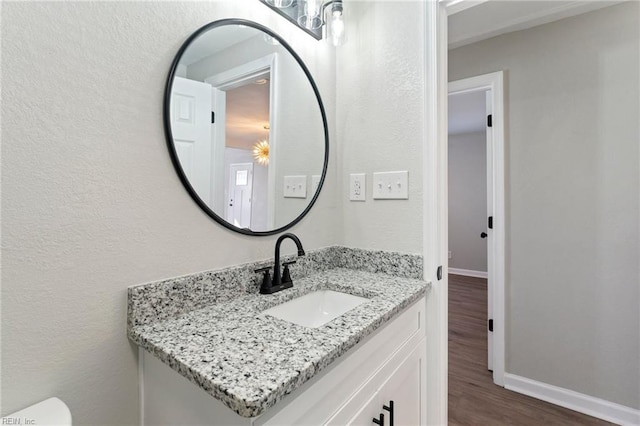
<point x="388" y="365"/>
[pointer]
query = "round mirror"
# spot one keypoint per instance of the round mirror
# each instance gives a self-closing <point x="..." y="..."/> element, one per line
<point x="246" y="128"/>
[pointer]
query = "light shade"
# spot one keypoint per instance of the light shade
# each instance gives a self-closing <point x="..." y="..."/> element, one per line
<point x="309" y="14"/>
<point x="281" y="4"/>
<point x="261" y="152"/>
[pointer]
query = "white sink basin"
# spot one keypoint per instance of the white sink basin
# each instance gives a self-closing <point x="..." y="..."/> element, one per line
<point x="317" y="308"/>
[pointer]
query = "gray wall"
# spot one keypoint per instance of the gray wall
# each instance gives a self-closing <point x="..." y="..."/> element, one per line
<point x="380" y="118"/>
<point x="468" y="201"/>
<point x="572" y="198"/>
<point x="90" y="200"/>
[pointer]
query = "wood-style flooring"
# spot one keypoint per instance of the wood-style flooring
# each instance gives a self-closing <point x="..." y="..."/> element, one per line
<point x="473" y="397"/>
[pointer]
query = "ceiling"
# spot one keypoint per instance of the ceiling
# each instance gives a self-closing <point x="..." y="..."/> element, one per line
<point x="247" y="115"/>
<point x="472" y="21"/>
<point x="211" y="42"/>
<point x="467" y="112"/>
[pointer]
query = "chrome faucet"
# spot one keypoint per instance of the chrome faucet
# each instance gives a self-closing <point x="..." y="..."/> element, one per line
<point x="280" y="281"/>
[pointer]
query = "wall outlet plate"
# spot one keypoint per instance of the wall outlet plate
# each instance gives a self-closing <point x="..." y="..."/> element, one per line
<point x="391" y="185"/>
<point x="295" y="186"/>
<point x="357" y="187"/>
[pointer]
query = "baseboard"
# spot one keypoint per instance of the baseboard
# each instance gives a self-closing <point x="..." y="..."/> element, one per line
<point x="572" y="400"/>
<point x="468" y="273"/>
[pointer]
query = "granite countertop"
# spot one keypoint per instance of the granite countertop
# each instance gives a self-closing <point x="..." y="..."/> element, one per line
<point x="250" y="361"/>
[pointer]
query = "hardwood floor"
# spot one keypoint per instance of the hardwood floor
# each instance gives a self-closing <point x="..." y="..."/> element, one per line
<point x="473" y="398"/>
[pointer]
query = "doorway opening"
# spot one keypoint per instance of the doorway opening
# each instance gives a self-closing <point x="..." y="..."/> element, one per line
<point x="246" y="167"/>
<point x="243" y="98"/>
<point x="476" y="208"/>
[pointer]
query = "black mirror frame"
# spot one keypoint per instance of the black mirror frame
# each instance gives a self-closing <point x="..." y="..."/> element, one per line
<point x="174" y="155"/>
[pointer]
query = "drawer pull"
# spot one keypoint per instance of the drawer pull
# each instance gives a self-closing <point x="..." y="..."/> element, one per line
<point x="389" y="408"/>
<point x="379" y="421"/>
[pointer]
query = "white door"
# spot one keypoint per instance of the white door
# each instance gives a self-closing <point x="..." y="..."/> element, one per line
<point x="240" y="187"/>
<point x="191" y="128"/>
<point x="489" y="239"/>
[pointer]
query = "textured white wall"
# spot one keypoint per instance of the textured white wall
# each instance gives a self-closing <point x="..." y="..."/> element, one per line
<point x="468" y="201"/>
<point x="573" y="198"/>
<point x="90" y="201"/>
<point x="380" y="119"/>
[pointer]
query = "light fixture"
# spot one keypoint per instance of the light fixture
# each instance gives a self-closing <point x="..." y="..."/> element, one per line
<point x="318" y="18"/>
<point x="261" y="152"/>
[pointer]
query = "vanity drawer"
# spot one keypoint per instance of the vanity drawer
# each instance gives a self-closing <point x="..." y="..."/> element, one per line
<point x="318" y="399"/>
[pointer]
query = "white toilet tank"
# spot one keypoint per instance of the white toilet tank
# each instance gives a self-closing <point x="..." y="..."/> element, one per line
<point x="49" y="412"/>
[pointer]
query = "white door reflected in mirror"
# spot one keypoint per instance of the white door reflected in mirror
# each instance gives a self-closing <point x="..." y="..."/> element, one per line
<point x="240" y="194"/>
<point x="191" y="106"/>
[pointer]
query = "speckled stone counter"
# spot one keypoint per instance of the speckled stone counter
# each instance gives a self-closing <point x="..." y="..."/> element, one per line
<point x="249" y="360"/>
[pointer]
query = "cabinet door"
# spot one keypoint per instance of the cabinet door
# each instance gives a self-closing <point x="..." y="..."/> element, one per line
<point x="406" y="388"/>
<point x="403" y="381"/>
<point x="369" y="411"/>
<point x="359" y="409"/>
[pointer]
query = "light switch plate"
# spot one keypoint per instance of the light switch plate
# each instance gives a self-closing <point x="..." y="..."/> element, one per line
<point x="357" y="186"/>
<point x="391" y="185"/>
<point x="295" y="186"/>
<point x="315" y="182"/>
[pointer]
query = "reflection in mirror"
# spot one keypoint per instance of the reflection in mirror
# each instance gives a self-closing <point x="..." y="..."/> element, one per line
<point x="247" y="130"/>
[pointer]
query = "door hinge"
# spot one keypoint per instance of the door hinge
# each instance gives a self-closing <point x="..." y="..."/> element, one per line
<point x="213" y="117"/>
<point x="439" y="273"/>
<point x="490" y="120"/>
<point x="490" y="325"/>
<point x="490" y="222"/>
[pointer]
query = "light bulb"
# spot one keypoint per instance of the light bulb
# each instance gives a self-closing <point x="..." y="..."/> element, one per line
<point x="336" y="28"/>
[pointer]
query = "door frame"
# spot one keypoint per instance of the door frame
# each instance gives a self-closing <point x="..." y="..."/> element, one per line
<point x="435" y="199"/>
<point x="494" y="84"/>
<point x="235" y="77"/>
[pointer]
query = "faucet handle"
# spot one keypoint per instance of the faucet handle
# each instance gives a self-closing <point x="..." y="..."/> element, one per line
<point x="265" y="288"/>
<point x="286" y="275"/>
